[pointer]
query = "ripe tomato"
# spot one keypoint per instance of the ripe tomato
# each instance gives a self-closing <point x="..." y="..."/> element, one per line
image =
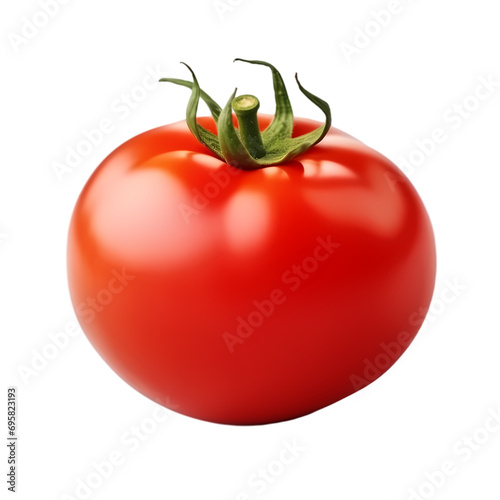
<point x="248" y="296"/>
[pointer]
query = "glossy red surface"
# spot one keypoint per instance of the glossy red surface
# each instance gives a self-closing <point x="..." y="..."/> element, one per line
<point x="248" y="297"/>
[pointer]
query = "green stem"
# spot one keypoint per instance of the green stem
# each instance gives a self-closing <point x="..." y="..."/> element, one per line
<point x="247" y="148"/>
<point x="245" y="108"/>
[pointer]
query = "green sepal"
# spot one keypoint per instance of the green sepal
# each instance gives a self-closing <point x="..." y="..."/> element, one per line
<point x="204" y="136"/>
<point x="282" y="124"/>
<point x="212" y="105"/>
<point x="298" y="145"/>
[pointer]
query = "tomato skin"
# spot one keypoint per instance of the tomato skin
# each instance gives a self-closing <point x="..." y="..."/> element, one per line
<point x="171" y="252"/>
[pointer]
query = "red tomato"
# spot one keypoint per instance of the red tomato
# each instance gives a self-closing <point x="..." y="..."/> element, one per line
<point x="248" y="297"/>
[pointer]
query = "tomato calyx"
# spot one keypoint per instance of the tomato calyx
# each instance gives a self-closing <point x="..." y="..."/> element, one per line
<point x="246" y="147"/>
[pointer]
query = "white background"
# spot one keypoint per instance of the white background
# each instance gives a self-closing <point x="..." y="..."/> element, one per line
<point x="384" y="441"/>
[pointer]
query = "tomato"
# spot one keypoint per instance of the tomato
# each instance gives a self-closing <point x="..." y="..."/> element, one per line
<point x="249" y="296"/>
